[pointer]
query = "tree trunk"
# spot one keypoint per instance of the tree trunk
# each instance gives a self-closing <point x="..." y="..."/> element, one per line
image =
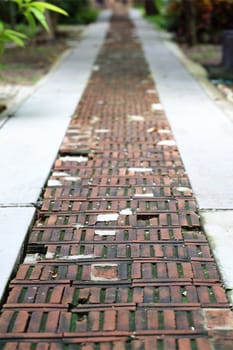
<point x="150" y="8"/>
<point x="50" y="35"/>
<point x="225" y="69"/>
<point x="227" y="50"/>
<point x="190" y="21"/>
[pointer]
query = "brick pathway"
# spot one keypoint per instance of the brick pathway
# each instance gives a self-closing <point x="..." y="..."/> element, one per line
<point x="117" y="259"/>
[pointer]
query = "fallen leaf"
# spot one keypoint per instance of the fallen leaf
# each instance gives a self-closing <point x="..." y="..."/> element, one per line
<point x="156" y="107"/>
<point x="54" y="183"/>
<point x="140" y="170"/>
<point x="154" y="129"/>
<point x="142" y="195"/>
<point x="166" y="143"/>
<point x="183" y="189"/>
<point x="151" y="91"/>
<point x="126" y="211"/>
<point x="76" y="257"/>
<point x="49" y="255"/>
<point x="72" y="178"/>
<point x="78" y="225"/>
<point x="102" y="131"/>
<point x="32" y="258"/>
<point x="54" y="274"/>
<point x="105" y="232"/>
<point x="94" y="119"/>
<point x="59" y="173"/>
<point x="79" y="159"/>
<point x="95" y="68"/>
<point x="136" y="118"/>
<point x="164" y="131"/>
<point x="107" y="217"/>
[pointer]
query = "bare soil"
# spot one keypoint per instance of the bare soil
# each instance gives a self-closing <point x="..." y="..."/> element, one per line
<point x="25" y="66"/>
<point x="203" y="53"/>
<point x="209" y="54"/>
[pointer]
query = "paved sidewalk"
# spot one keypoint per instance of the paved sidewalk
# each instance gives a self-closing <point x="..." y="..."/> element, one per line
<point x="30" y="139"/>
<point x="203" y="133"/>
<point x="117" y="258"/>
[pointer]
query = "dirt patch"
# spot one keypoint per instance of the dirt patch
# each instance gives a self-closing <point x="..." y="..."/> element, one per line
<point x="203" y="53"/>
<point x="25" y="66"/>
<point x="21" y="68"/>
<point x="209" y="54"/>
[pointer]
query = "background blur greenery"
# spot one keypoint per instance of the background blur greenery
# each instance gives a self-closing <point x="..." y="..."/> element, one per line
<point x="79" y="11"/>
<point x="211" y="17"/>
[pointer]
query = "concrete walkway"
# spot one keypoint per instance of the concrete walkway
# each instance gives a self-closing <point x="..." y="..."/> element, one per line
<point x="117" y="250"/>
<point x="204" y="135"/>
<point x="30" y="139"/>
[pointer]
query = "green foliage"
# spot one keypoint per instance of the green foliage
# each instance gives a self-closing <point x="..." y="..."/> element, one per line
<point x="140" y="8"/>
<point x="161" y="20"/>
<point x="212" y="17"/>
<point x="87" y="16"/>
<point x="33" y="11"/>
<point x="7" y="35"/>
<point x="159" y="5"/>
<point x="79" y="11"/>
<point x="72" y="7"/>
<point x="25" y="29"/>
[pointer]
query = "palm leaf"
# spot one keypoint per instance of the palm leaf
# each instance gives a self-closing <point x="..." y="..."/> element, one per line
<point x="42" y="6"/>
<point x="40" y="17"/>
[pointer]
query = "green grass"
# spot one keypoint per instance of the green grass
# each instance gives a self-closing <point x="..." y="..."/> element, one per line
<point x="85" y="16"/>
<point x="159" y="21"/>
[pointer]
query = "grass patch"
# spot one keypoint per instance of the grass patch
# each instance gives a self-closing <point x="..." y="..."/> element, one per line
<point x="84" y="16"/>
<point x="159" y="21"/>
<point x="27" y="65"/>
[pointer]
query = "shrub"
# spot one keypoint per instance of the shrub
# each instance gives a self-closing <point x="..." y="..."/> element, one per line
<point x="33" y="12"/>
<point x="88" y="16"/>
<point x="212" y="17"/>
<point x="80" y="11"/>
<point x="222" y="15"/>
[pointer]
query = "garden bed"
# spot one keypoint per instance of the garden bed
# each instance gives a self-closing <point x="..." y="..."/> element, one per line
<point x="209" y="54"/>
<point x="24" y="67"/>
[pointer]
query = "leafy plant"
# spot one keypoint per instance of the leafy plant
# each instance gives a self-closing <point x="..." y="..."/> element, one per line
<point x="88" y="16"/>
<point x="80" y="11"/>
<point x="7" y="35"/>
<point x="33" y="11"/>
<point x="25" y="29"/>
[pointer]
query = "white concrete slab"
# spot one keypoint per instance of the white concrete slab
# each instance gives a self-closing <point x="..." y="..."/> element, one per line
<point x="204" y="136"/>
<point x="218" y="226"/>
<point x="28" y="147"/>
<point x="14" y="224"/>
<point x="29" y="142"/>
<point x="202" y="131"/>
